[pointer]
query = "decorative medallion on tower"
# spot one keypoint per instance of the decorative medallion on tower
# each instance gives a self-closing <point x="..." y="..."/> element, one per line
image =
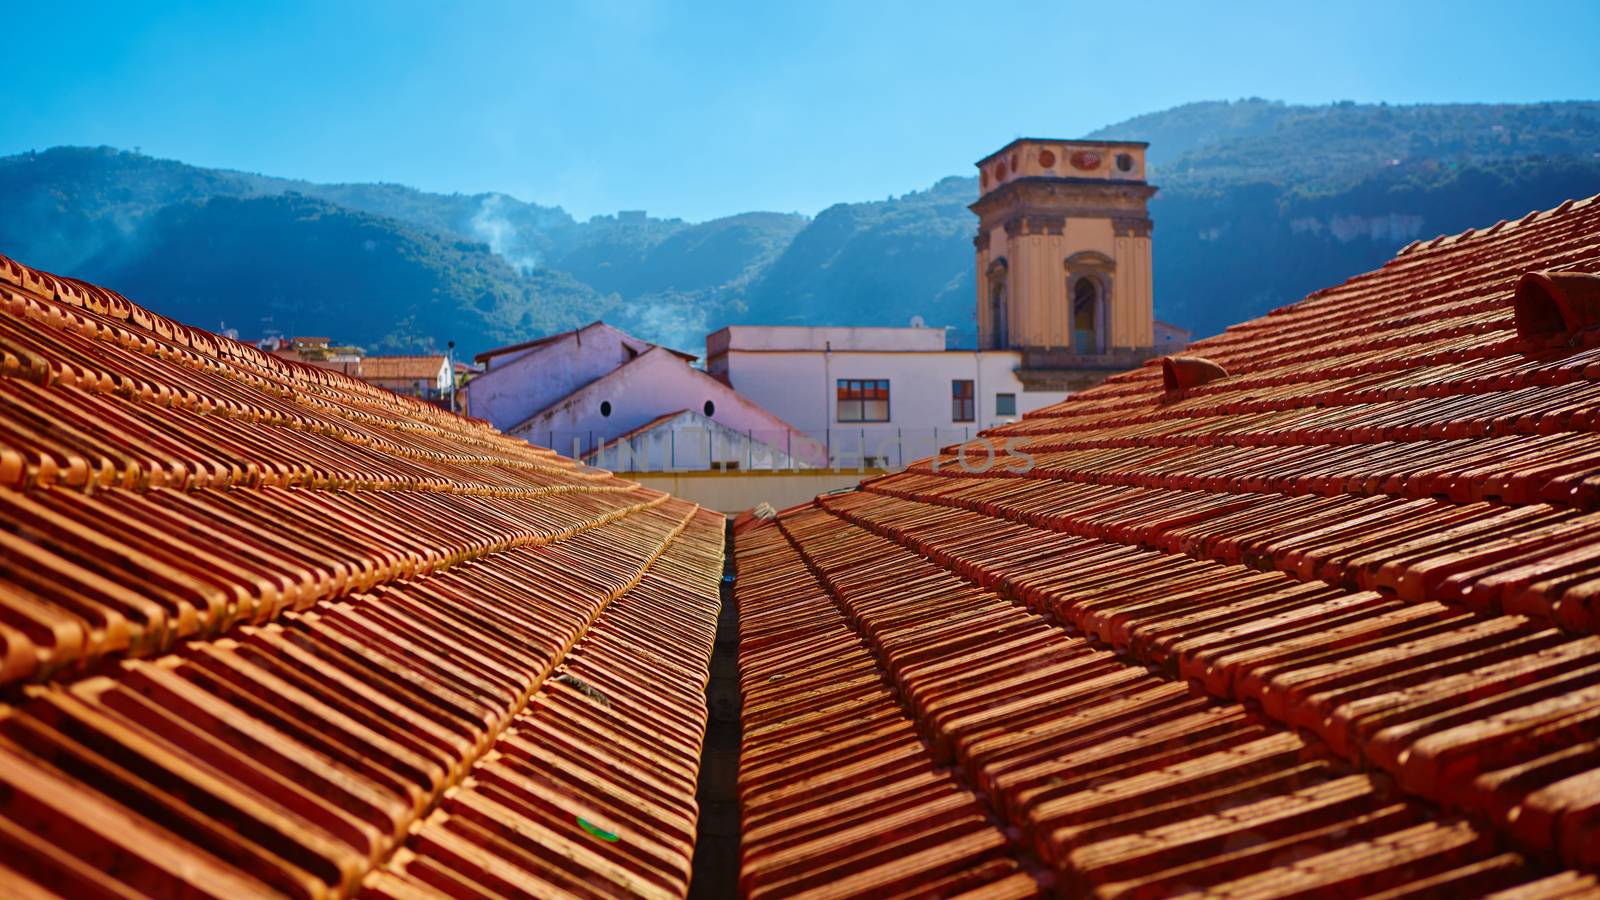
<point x="1063" y="256"/>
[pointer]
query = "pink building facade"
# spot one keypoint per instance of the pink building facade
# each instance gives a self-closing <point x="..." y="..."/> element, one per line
<point x="579" y="391"/>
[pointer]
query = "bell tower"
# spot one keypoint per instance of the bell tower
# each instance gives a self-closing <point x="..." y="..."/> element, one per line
<point x="1063" y="254"/>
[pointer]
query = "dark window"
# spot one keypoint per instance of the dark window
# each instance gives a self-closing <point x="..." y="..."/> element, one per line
<point x="1124" y="162"/>
<point x="605" y="407"/>
<point x="710" y="408"/>
<point x="961" y="401"/>
<point x="1085" y="315"/>
<point x="863" y="400"/>
<point x="1005" y="404"/>
<point x="997" y="314"/>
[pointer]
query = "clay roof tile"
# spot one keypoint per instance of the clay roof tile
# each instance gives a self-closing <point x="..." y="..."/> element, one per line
<point x="268" y="629"/>
<point x="1267" y="636"/>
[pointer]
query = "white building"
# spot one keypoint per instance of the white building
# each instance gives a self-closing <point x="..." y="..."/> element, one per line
<point x="1064" y="299"/>
<point x="687" y="440"/>
<point x="581" y="390"/>
<point x="891" y="395"/>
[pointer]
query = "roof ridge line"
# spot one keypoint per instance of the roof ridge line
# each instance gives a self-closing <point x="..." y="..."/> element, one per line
<point x="1447" y="240"/>
<point x="601" y="660"/>
<point x="307" y="394"/>
<point x="1147" y="664"/>
<point x="450" y="778"/>
<point x="209" y="404"/>
<point x="74" y="298"/>
<point x="487" y="745"/>
<point x="1024" y="855"/>
<point x="331" y="593"/>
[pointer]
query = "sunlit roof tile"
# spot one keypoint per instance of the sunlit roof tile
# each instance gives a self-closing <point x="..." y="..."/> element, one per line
<point x="1325" y="622"/>
<point x="267" y="629"/>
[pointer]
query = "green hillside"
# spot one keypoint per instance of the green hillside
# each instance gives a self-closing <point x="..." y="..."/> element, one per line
<point x="875" y="264"/>
<point x="1260" y="203"/>
<point x="299" y="265"/>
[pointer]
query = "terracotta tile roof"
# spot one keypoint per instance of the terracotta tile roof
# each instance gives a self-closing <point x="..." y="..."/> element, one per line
<point x="837" y="787"/>
<point x="405" y="368"/>
<point x="1324" y="623"/>
<point x="267" y="628"/>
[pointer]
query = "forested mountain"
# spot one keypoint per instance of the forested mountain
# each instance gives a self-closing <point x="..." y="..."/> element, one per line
<point x="1260" y="202"/>
<point x="301" y="266"/>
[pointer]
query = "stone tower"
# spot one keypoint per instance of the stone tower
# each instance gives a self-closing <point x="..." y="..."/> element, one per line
<point x="1064" y="259"/>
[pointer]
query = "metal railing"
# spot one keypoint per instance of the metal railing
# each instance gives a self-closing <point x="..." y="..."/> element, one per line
<point x="690" y="448"/>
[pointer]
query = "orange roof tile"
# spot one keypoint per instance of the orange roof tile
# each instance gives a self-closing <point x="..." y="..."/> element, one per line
<point x="407" y="368"/>
<point x="1322" y="617"/>
<point x="265" y="628"/>
<point x="837" y="788"/>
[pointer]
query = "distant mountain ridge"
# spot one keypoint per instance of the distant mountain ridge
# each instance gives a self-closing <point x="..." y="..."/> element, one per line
<point x="1321" y="148"/>
<point x="1260" y="203"/>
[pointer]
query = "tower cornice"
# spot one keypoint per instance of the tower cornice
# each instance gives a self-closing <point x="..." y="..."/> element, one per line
<point x="1073" y="196"/>
<point x="1063" y="250"/>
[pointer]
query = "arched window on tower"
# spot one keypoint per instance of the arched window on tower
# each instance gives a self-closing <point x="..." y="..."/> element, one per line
<point x="1086" y="316"/>
<point x="999" y="319"/>
<point x="997" y="325"/>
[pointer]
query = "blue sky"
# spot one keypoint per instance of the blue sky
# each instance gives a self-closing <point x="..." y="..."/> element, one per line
<point x="709" y="108"/>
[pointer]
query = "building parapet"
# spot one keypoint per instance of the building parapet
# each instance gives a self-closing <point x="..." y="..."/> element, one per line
<point x="1055" y="369"/>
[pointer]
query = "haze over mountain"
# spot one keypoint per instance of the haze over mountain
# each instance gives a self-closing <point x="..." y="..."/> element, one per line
<point x="1260" y="203"/>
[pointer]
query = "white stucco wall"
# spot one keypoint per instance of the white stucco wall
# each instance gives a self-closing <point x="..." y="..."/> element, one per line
<point x="655" y="384"/>
<point x="512" y="390"/>
<point x="799" y="386"/>
<point x="822" y="337"/>
<point x="691" y="442"/>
